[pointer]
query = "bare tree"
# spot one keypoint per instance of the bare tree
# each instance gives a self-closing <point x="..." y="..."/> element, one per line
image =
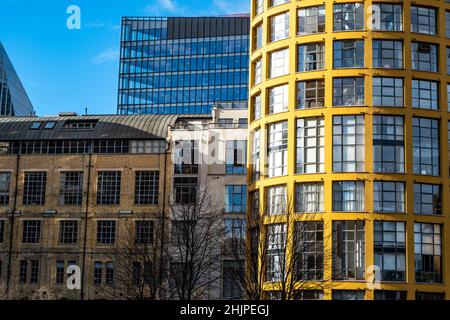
<point x="138" y="262"/>
<point x="284" y="257"/>
<point x="195" y="251"/>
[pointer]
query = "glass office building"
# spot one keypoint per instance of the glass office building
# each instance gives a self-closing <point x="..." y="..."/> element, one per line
<point x="14" y="100"/>
<point x="183" y="65"/>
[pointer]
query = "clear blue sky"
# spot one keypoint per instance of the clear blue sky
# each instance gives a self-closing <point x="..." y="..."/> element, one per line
<point x="68" y="70"/>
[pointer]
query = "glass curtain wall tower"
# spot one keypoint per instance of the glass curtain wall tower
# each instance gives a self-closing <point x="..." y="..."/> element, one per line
<point x="183" y="65"/>
<point x="14" y="100"/>
<point x="348" y="133"/>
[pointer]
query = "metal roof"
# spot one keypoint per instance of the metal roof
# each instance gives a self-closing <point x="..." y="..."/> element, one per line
<point x="107" y="127"/>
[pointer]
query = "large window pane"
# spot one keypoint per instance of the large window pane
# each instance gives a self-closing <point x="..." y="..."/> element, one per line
<point x="348" y="54"/>
<point x="348" y="16"/>
<point x="348" y="143"/>
<point x="311" y="57"/>
<point x="387" y="92"/>
<point x="388" y="144"/>
<point x="277" y="149"/>
<point x="348" y="91"/>
<point x="426" y="155"/>
<point x="311" y="20"/>
<point x="310" y="145"/>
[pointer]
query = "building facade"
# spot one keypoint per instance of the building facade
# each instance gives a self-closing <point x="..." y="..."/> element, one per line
<point x="210" y="153"/>
<point x="348" y="132"/>
<point x="182" y="65"/>
<point x="14" y="100"/>
<point x="72" y="188"/>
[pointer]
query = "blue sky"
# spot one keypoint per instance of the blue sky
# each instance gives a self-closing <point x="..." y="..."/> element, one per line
<point x="69" y="70"/>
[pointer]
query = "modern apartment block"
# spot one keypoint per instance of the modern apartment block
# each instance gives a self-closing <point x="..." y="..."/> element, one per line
<point x="74" y="189"/>
<point x="14" y="100"/>
<point x="211" y="154"/>
<point x="183" y="65"/>
<point x="348" y="127"/>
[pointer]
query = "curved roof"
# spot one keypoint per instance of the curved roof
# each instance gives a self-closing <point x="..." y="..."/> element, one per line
<point x="107" y="127"/>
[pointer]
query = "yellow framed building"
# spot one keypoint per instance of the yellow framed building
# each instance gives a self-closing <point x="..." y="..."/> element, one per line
<point x="421" y="64"/>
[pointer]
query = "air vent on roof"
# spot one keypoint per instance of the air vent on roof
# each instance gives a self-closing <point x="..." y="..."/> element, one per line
<point x="68" y="114"/>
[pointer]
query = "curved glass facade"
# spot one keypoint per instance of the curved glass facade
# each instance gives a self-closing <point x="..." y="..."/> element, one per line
<point x="355" y="145"/>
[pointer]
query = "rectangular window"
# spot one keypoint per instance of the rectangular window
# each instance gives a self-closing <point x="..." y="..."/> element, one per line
<point x="187" y="159"/>
<point x="390" y="250"/>
<point x="348" y="16"/>
<point x="390" y="295"/>
<point x="146" y="188"/>
<point x="34" y="188"/>
<point x="108" y="187"/>
<point x="448" y="97"/>
<point x="309" y="197"/>
<point x="308" y="295"/>
<point x="144" y="232"/>
<point x="276" y="200"/>
<point x="256" y="107"/>
<point x="5" y="181"/>
<point x="311" y="57"/>
<point x="428" y="252"/>
<point x="426" y="155"/>
<point x="275" y="255"/>
<point x="185" y="190"/>
<point x="2" y="233"/>
<point x="109" y="273"/>
<point x="274" y="3"/>
<point x="348" y="91"/>
<point x="256" y="153"/>
<point x="427" y="199"/>
<point x="60" y="272"/>
<point x="348" y="54"/>
<point x="236" y="157"/>
<point x="447" y="24"/>
<point x="23" y="270"/>
<point x="235" y="198"/>
<point x="258" y="36"/>
<point x="348" y="196"/>
<point x="278" y="99"/>
<point x="254" y="202"/>
<point x="279" y="27"/>
<point x="348" y="294"/>
<point x="311" y="20"/>
<point x="387" y="17"/>
<point x="277" y="149"/>
<point x="387" y="92"/>
<point x="308" y="246"/>
<point x="310" y="94"/>
<point x="257" y="67"/>
<point x="387" y="54"/>
<point x="310" y="145"/>
<point x="68" y="232"/>
<point x="231" y="285"/>
<point x="388" y="197"/>
<point x="425" y="94"/>
<point x="424" y="56"/>
<point x="31" y="231"/>
<point x="432" y="296"/>
<point x="71" y="188"/>
<point x="34" y="274"/>
<point x="106" y="232"/>
<point x="259" y="6"/>
<point x="423" y="20"/>
<point x="348" y="143"/>
<point x="348" y="250"/>
<point x="279" y="63"/>
<point x="447" y="58"/>
<point x="234" y="229"/>
<point x="388" y="144"/>
<point x="98" y="270"/>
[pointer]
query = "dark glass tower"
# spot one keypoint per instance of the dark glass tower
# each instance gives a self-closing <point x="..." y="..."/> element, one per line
<point x="183" y="65"/>
<point x="14" y="100"/>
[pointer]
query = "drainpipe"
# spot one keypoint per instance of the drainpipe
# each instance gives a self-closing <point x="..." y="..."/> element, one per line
<point x="83" y="273"/>
<point x="163" y="218"/>
<point x="11" y="226"/>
